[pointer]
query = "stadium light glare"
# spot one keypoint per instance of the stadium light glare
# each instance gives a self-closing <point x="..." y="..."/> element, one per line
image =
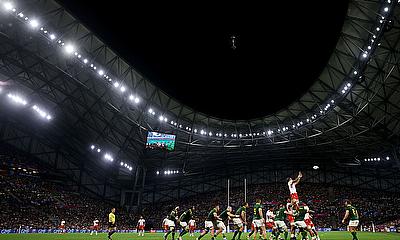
<point x="386" y="9"/>
<point x="85" y="61"/>
<point x="123" y="89"/>
<point x="34" y="23"/>
<point x="355" y="72"/>
<point x="100" y="72"/>
<point x="387" y="158"/>
<point x="131" y="97"/>
<point x="315" y="167"/>
<point x="137" y="100"/>
<point x="8" y="6"/>
<point x="122" y="163"/>
<point x="17" y="99"/>
<point x="69" y="48"/>
<point x="116" y="84"/>
<point x="161" y="118"/>
<point x="92" y="147"/>
<point x="158" y="172"/>
<point x="52" y="36"/>
<point x="365" y="55"/>
<point x="98" y="150"/>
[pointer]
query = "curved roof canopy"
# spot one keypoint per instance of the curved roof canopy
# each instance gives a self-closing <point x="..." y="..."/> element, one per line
<point x="95" y="97"/>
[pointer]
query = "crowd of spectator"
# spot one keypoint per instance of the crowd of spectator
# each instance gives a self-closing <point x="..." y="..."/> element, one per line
<point x="28" y="201"/>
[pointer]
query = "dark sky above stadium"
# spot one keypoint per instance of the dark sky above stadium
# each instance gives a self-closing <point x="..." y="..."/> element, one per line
<point x="185" y="48"/>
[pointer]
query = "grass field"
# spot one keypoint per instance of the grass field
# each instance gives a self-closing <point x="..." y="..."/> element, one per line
<point x="158" y="236"/>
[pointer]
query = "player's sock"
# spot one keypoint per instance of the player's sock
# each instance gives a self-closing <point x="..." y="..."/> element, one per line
<point x="235" y="234"/>
<point x="182" y="233"/>
<point x="251" y="233"/>
<point x="354" y="235"/>
<point x="166" y="235"/>
<point x="304" y="235"/>
<point x="173" y="235"/>
<point x="286" y="235"/>
<point x="240" y="234"/>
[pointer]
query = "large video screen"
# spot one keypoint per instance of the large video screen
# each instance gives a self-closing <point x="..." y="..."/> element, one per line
<point x="156" y="140"/>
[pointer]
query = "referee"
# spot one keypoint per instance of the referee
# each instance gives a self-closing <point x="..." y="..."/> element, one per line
<point x="111" y="223"/>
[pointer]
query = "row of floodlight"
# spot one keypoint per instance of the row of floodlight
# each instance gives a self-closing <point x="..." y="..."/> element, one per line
<point x="17" y="99"/>
<point x="376" y="159"/>
<point x="108" y="157"/>
<point x="168" y="172"/>
<point x="70" y="49"/>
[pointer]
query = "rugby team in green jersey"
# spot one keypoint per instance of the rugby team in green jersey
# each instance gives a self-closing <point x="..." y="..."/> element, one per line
<point x="295" y="212"/>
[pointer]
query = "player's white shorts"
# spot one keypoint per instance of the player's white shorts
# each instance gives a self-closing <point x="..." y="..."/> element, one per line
<point x="183" y="224"/>
<point x="237" y="222"/>
<point x="208" y="224"/>
<point x="258" y="223"/>
<point x="300" y="224"/>
<point x="280" y="224"/>
<point x="353" y="223"/>
<point x="222" y="226"/>
<point x="170" y="223"/>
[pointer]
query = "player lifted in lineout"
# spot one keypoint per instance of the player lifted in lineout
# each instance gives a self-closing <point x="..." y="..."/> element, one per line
<point x="172" y="221"/>
<point x="140" y="226"/>
<point x="240" y="221"/>
<point x="352" y="215"/>
<point x="183" y="221"/>
<point x="293" y="192"/>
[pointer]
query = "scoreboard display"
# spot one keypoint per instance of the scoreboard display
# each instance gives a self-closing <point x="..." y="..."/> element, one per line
<point x="156" y="140"/>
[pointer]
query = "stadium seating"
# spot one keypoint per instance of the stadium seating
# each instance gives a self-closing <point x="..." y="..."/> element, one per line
<point x="27" y="201"/>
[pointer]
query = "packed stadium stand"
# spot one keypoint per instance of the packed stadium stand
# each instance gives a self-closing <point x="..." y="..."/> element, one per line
<point x="31" y="201"/>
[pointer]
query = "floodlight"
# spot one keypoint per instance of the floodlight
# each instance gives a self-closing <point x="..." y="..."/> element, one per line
<point x="52" y="36"/>
<point x="34" y="23"/>
<point x="122" y="163"/>
<point x="116" y="84"/>
<point x="195" y="131"/>
<point x="137" y="100"/>
<point x="100" y="72"/>
<point x="98" y="150"/>
<point x="69" y="49"/>
<point x="8" y="6"/>
<point x="85" y="61"/>
<point x="123" y="89"/>
<point x="150" y="110"/>
<point x="377" y="29"/>
<point x="386" y="9"/>
<point x="210" y="133"/>
<point x="387" y="158"/>
<point x="316" y="167"/>
<point x="355" y="72"/>
<point x="20" y="15"/>
<point x="161" y="118"/>
<point x="92" y="147"/>
<point x="365" y="55"/>
<point x="158" y="172"/>
<point x="369" y="47"/>
<point x="131" y="97"/>
<point x="165" y="119"/>
<point x="343" y="91"/>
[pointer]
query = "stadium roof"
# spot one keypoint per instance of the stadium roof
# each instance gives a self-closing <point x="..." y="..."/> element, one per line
<point x="48" y="59"/>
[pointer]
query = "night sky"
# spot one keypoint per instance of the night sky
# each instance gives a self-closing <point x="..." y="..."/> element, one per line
<point x="185" y="48"/>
